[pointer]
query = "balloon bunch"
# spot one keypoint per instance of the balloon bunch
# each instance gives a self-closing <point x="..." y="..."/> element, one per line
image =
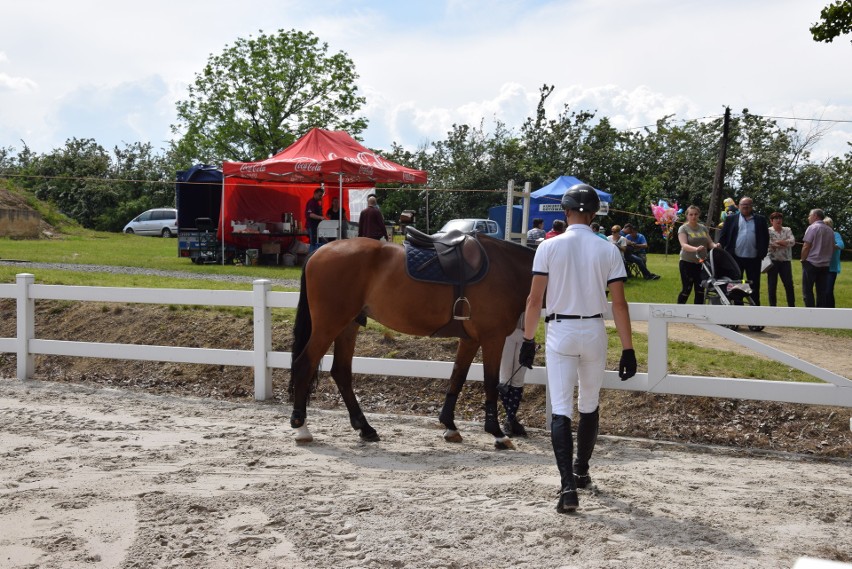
<point x="666" y="215"/>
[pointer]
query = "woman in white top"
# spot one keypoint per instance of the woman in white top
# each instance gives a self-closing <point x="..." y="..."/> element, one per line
<point x="781" y="243"/>
<point x="695" y="241"/>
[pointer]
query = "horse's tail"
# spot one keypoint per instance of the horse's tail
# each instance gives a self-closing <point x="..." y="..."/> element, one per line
<point x="301" y="328"/>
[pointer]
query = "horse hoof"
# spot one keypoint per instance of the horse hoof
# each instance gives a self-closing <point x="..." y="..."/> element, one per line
<point x="504" y="444"/>
<point x="452" y="436"/>
<point x="303" y="435"/>
<point x="370" y="437"/>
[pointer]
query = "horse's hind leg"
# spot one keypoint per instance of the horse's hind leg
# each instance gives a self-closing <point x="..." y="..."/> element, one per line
<point x="341" y="371"/>
<point x="464" y="356"/>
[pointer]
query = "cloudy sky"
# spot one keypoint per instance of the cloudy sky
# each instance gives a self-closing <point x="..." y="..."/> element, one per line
<point x="113" y="71"/>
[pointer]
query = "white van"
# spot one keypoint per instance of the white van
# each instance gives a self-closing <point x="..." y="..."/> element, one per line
<point x="160" y="222"/>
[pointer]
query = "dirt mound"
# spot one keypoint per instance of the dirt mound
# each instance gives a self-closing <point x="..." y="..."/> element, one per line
<point x="12" y="200"/>
<point x="815" y="430"/>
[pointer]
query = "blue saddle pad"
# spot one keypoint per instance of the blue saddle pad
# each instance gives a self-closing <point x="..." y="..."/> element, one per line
<point x="423" y="265"/>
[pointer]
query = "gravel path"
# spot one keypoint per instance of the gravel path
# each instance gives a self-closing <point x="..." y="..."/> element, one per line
<point x="142" y="271"/>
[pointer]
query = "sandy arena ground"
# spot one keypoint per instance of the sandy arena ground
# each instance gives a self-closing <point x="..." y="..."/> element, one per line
<point x="101" y="478"/>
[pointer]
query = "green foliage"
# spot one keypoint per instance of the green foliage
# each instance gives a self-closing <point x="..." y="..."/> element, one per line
<point x="473" y="160"/>
<point x="835" y="21"/>
<point x="260" y="94"/>
<point x="97" y="189"/>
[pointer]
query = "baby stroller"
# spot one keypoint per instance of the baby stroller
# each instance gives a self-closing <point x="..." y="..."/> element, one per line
<point x="724" y="284"/>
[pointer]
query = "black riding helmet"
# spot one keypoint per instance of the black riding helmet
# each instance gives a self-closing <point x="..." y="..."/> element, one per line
<point x="581" y="197"/>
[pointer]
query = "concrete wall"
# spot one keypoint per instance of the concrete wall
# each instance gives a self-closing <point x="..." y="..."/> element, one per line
<point x="20" y="223"/>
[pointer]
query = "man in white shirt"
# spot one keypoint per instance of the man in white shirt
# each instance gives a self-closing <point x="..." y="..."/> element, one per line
<point x="574" y="270"/>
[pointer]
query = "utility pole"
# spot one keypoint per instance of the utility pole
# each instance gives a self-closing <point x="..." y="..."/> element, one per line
<point x="713" y="209"/>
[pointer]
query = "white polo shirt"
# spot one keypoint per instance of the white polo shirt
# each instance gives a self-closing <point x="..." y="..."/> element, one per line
<point x="579" y="265"/>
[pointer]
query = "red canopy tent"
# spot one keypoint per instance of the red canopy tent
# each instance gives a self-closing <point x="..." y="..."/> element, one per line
<point x="285" y="182"/>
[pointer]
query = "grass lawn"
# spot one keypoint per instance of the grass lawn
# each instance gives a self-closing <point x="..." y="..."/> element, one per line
<point x="118" y="249"/>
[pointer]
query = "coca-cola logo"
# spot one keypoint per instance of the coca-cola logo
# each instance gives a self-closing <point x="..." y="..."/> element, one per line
<point x="365" y="170"/>
<point x="308" y="167"/>
<point x="407" y="177"/>
<point x="252" y="167"/>
<point x="375" y="160"/>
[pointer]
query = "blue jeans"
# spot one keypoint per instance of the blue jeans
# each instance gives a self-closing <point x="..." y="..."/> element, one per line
<point x="313" y="237"/>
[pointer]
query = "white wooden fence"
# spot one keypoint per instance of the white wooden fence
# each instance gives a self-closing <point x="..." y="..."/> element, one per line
<point x="832" y="389"/>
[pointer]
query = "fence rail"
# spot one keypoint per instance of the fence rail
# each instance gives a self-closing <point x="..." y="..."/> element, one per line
<point x="833" y="389"/>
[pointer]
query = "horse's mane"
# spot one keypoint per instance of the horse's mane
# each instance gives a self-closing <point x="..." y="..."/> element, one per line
<point x="509" y="246"/>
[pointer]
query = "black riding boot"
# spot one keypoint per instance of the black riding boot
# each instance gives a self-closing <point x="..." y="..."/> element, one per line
<point x="511" y="398"/>
<point x="682" y="298"/>
<point x="563" y="449"/>
<point x="587" y="434"/>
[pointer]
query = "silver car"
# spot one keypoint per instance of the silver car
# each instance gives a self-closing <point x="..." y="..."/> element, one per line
<point x="161" y="222"/>
<point x="487" y="226"/>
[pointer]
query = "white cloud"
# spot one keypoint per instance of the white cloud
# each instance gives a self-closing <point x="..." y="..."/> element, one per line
<point x="426" y="65"/>
<point x="17" y="83"/>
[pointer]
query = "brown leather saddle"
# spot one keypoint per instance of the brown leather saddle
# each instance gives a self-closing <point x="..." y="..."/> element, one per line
<point x="454" y="258"/>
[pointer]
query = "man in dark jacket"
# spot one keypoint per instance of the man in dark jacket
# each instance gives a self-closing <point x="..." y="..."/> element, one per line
<point x="371" y="223"/>
<point x="745" y="235"/>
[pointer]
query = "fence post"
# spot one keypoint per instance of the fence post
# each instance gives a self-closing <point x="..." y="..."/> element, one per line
<point x="658" y="347"/>
<point x="26" y="326"/>
<point x="262" y="341"/>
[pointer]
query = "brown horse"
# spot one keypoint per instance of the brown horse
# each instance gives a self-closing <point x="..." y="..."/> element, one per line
<point x="346" y="280"/>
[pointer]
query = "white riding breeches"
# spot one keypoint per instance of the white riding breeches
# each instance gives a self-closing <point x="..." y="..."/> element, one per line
<point x="575" y="356"/>
<point x="509" y="364"/>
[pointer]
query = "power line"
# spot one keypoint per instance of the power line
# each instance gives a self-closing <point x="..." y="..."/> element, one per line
<point x="803" y="119"/>
<point x="837" y="121"/>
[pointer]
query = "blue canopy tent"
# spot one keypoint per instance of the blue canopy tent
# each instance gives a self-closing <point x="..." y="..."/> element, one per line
<point x="545" y="203"/>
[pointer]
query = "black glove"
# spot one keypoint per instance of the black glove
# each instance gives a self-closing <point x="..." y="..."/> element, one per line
<point x="627" y="365"/>
<point x="527" y="355"/>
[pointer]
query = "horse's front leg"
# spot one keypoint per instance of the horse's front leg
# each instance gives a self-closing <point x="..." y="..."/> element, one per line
<point x="464" y="356"/>
<point x="492" y="351"/>
<point x="341" y="371"/>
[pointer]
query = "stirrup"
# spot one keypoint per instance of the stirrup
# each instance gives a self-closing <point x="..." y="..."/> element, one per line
<point x="459" y="312"/>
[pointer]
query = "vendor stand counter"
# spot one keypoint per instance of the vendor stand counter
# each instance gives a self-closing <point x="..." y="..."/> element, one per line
<point x="268" y="243"/>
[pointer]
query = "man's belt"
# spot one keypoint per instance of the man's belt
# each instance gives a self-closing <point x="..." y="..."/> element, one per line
<point x="558" y="317"/>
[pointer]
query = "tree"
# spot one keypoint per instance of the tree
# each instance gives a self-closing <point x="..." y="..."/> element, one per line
<point x="261" y="94"/>
<point x="551" y="147"/>
<point x="476" y="164"/>
<point x="835" y="20"/>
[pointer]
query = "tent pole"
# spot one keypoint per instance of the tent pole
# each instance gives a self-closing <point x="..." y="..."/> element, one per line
<point x="340" y="203"/>
<point x="222" y="220"/>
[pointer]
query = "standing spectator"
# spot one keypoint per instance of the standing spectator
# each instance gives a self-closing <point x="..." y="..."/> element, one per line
<point x="599" y="231"/>
<point x="537" y="232"/>
<point x="695" y="241"/>
<point x="817" y="248"/>
<point x="745" y="235"/>
<point x="781" y="243"/>
<point x="557" y="229"/>
<point x="313" y="216"/>
<point x="371" y="223"/>
<point x="570" y="278"/>
<point x="635" y="250"/>
<point x="333" y="212"/>
<point x="511" y="388"/>
<point x="834" y="265"/>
